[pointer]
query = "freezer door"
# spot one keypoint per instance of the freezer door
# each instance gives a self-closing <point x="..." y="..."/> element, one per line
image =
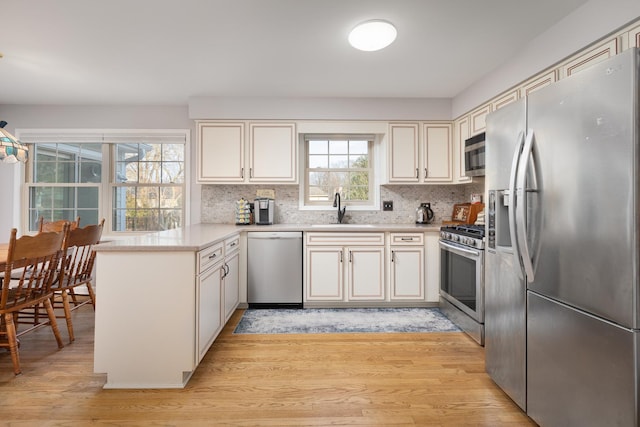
<point x="505" y="325"/>
<point x="504" y="129"/>
<point x="581" y="370"/>
<point x="585" y="137"/>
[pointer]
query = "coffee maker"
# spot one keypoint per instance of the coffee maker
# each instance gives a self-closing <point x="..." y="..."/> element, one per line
<point x="264" y="208"/>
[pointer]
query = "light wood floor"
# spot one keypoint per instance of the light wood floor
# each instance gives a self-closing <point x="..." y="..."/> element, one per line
<point x="433" y="379"/>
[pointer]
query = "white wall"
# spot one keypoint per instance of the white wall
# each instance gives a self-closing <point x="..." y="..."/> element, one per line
<point x="588" y="24"/>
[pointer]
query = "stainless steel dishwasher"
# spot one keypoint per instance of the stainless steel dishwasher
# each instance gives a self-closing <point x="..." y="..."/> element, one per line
<point x="274" y="264"/>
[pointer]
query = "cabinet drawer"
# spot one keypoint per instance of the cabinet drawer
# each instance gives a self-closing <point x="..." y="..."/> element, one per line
<point x="231" y="244"/>
<point x="210" y="256"/>
<point x="352" y="239"/>
<point x="399" y="239"/>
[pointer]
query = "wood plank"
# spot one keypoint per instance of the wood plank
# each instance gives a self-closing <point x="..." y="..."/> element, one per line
<point x="434" y="379"/>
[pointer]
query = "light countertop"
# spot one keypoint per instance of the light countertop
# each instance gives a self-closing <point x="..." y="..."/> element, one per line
<point x="200" y="236"/>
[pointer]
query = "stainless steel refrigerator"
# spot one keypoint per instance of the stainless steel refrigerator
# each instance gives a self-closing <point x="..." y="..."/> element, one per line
<point x="562" y="297"/>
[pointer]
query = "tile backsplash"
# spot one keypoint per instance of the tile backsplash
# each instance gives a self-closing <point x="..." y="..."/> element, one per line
<point x="218" y="203"/>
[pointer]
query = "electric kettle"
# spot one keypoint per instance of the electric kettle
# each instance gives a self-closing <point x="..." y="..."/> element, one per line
<point x="424" y="214"/>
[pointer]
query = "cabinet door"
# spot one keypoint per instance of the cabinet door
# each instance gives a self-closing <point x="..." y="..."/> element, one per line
<point x="585" y="60"/>
<point x="231" y="285"/>
<point x="403" y="152"/>
<point x="504" y="100"/>
<point x="537" y="82"/>
<point x="461" y="134"/>
<point x="437" y="152"/>
<point x="478" y="120"/>
<point x="324" y="273"/>
<point x="273" y="154"/>
<point x="633" y="36"/>
<point x="407" y="272"/>
<point x="220" y="152"/>
<point x="366" y="273"/>
<point x="209" y="308"/>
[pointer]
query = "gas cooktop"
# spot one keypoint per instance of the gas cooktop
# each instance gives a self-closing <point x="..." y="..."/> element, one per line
<point x="464" y="234"/>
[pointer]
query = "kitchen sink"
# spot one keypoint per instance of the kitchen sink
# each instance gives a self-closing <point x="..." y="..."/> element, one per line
<point x="342" y="225"/>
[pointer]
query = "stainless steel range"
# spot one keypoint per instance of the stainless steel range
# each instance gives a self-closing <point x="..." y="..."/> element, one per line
<point x="462" y="277"/>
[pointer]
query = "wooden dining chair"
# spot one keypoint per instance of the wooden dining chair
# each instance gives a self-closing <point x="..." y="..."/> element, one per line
<point x="56" y="225"/>
<point x="38" y="259"/>
<point x="77" y="270"/>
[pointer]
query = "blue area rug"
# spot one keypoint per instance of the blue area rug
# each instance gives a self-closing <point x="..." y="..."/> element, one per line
<point x="339" y="320"/>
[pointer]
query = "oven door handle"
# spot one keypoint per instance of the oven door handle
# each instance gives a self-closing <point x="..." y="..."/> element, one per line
<point x="459" y="250"/>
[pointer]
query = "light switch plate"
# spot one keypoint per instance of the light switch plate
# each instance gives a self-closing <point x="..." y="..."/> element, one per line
<point x="387" y="205"/>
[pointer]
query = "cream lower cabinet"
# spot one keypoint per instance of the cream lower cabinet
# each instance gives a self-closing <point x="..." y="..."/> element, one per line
<point x="344" y="267"/>
<point x="407" y="266"/>
<point x="231" y="277"/>
<point x="209" y="291"/>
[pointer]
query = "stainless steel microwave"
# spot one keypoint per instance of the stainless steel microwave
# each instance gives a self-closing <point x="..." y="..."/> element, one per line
<point x="474" y="155"/>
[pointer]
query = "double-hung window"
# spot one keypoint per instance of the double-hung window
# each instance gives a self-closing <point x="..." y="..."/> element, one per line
<point x="339" y="164"/>
<point x="134" y="179"/>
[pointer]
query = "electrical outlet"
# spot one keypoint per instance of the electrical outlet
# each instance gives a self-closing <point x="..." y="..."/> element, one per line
<point x="387" y="205"/>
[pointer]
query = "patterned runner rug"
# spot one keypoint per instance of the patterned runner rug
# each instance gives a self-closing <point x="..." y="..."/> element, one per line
<point x="338" y="320"/>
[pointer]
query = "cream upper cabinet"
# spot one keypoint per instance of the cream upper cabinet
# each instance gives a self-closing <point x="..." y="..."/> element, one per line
<point x="504" y="100"/>
<point x="592" y="56"/>
<point x="633" y="37"/>
<point x="420" y="153"/>
<point x="478" y="119"/>
<point x="437" y="152"/>
<point x="273" y="152"/>
<point x="220" y="152"/>
<point x="537" y="82"/>
<point x="403" y="153"/>
<point x="222" y="147"/>
<point x="461" y="130"/>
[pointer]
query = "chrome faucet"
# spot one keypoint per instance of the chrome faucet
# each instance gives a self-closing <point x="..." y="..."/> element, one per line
<point x="336" y="204"/>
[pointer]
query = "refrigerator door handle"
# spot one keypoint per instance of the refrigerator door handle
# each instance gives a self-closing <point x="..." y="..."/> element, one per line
<point x="511" y="211"/>
<point x="521" y="206"/>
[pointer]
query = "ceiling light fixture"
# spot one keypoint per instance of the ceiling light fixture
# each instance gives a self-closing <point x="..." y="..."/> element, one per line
<point x="372" y="35"/>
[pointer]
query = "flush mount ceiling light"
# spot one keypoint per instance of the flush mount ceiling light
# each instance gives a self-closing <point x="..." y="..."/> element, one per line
<point x="372" y="35"/>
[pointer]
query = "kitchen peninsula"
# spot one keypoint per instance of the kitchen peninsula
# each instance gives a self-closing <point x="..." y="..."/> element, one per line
<point x="164" y="297"/>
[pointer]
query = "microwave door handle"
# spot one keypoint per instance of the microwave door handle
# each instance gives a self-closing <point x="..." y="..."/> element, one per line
<point x="511" y="211"/>
<point x="521" y="205"/>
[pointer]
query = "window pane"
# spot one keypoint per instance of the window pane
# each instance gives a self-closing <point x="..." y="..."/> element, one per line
<point x="170" y="218"/>
<point x="173" y="152"/>
<point x="357" y="193"/>
<point x="318" y="194"/>
<point x="88" y="197"/>
<point x="338" y="180"/>
<point x="338" y="147"/>
<point x="359" y="147"/>
<point x="318" y="147"/>
<point x="318" y="178"/>
<point x="172" y="172"/>
<point x="171" y="197"/>
<point x="149" y="172"/>
<point x="358" y="161"/>
<point x="340" y="162"/>
<point x="90" y="171"/>
<point x="316" y="161"/>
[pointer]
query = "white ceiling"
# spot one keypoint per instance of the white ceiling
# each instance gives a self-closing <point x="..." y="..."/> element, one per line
<point x="164" y="51"/>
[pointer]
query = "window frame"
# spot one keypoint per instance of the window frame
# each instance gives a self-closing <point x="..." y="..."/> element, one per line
<point x="108" y="138"/>
<point x="374" y="168"/>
